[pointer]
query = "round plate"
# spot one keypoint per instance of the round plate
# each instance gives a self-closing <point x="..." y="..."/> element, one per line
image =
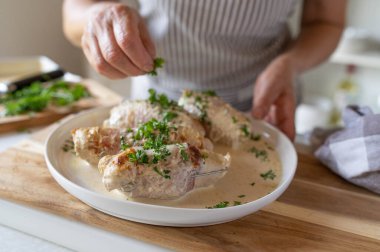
<point x="156" y="214"/>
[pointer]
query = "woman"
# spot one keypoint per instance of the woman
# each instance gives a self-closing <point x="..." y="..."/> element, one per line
<point x="241" y="49"/>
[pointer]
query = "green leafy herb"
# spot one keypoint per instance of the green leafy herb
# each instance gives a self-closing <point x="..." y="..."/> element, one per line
<point x="123" y="144"/>
<point x="237" y="203"/>
<point x="160" y="99"/>
<point x="261" y="154"/>
<point x="245" y="130"/>
<point x="188" y="93"/>
<point x="169" y="115"/>
<point x="268" y="175"/>
<point x="255" y="137"/>
<point x="209" y="92"/>
<point x="241" y="196"/>
<point x="222" y="204"/>
<point x="157" y="63"/>
<point x="139" y="157"/>
<point x="160" y="154"/>
<point x="68" y="145"/>
<point x="234" y="120"/>
<point x="182" y="151"/>
<point x="38" y="96"/>
<point x="164" y="174"/>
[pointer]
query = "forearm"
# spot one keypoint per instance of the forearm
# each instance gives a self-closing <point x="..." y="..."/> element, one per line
<point x="75" y="15"/>
<point x="313" y="46"/>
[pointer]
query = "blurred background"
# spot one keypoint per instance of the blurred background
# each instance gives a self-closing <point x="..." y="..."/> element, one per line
<point x="351" y="75"/>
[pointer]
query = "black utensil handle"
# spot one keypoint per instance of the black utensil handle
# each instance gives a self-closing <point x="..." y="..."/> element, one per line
<point x="40" y="77"/>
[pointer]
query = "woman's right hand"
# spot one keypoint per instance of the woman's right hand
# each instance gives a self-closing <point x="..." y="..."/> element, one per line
<point x="116" y="41"/>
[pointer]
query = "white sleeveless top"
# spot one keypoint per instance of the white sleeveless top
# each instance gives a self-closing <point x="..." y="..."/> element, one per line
<point x="215" y="44"/>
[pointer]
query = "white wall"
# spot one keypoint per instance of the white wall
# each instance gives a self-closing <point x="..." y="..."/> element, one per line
<point x="34" y="27"/>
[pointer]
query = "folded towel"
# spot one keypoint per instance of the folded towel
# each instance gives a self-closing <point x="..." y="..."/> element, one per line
<point x="354" y="151"/>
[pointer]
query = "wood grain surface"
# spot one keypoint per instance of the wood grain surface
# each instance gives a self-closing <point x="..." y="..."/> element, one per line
<point x="319" y="211"/>
<point x="101" y="96"/>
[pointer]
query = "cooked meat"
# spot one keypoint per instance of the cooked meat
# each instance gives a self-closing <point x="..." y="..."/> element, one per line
<point x="223" y="123"/>
<point x="167" y="173"/>
<point x="93" y="143"/>
<point x="130" y="114"/>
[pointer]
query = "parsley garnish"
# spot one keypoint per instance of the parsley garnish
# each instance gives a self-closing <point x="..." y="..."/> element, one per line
<point x="253" y="183"/>
<point x="261" y="154"/>
<point x="160" y="99"/>
<point x="68" y="145"/>
<point x="168" y="116"/>
<point x="268" y="175"/>
<point x="123" y="143"/>
<point x="157" y="63"/>
<point x="255" y="137"/>
<point x="237" y="203"/>
<point x="209" y="92"/>
<point x="222" y="204"/>
<point x="139" y="157"/>
<point x="244" y="129"/>
<point x="234" y="120"/>
<point x="164" y="174"/>
<point x="182" y="151"/>
<point x="241" y="196"/>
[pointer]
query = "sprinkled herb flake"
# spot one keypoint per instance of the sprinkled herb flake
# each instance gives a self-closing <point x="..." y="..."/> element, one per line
<point x="234" y="120"/>
<point x="237" y="203"/>
<point x="169" y="115"/>
<point x="123" y="143"/>
<point x="188" y="93"/>
<point x="245" y="130"/>
<point x="222" y="204"/>
<point x="241" y="196"/>
<point x="253" y="183"/>
<point x="268" y="175"/>
<point x="209" y="93"/>
<point x="255" y="137"/>
<point x="68" y="145"/>
<point x="157" y="63"/>
<point x="138" y="157"/>
<point x="164" y="173"/>
<point x="182" y="151"/>
<point x="260" y="154"/>
<point x="160" y="99"/>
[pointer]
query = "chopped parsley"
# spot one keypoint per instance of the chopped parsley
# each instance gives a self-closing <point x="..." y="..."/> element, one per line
<point x="209" y="93"/>
<point x="160" y="154"/>
<point x="123" y="144"/>
<point x="245" y="130"/>
<point x="68" y="145"/>
<point x="138" y="157"/>
<point x="38" y="96"/>
<point x="237" y="203"/>
<point x="234" y="120"/>
<point x="182" y="151"/>
<point x="164" y="173"/>
<point x="222" y="204"/>
<point x="188" y="93"/>
<point x="261" y="154"/>
<point x="241" y="196"/>
<point x="169" y="115"/>
<point x="253" y="183"/>
<point x="255" y="137"/>
<point x="160" y="99"/>
<point x="157" y="63"/>
<point x="268" y="175"/>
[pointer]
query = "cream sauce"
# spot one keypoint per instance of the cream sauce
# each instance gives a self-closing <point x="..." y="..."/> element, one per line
<point x="243" y="178"/>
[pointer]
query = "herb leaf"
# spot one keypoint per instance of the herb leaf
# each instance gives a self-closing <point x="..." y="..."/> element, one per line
<point x="268" y="175"/>
<point x="163" y="174"/>
<point x="261" y="154"/>
<point x="157" y="63"/>
<point x="222" y="204"/>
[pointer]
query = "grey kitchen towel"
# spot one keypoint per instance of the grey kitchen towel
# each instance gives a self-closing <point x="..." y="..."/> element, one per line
<point x="354" y="151"/>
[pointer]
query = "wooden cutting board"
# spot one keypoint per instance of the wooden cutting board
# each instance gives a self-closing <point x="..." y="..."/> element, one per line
<point x="319" y="211"/>
<point x="101" y="96"/>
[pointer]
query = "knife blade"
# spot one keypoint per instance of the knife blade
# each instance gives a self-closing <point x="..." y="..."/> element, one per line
<point x="11" y="86"/>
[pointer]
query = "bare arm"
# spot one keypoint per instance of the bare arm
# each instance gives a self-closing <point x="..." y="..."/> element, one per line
<point x="113" y="36"/>
<point x="322" y="25"/>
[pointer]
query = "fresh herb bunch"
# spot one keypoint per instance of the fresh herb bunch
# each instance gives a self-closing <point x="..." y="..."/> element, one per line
<point x="38" y="96"/>
<point x="161" y="100"/>
<point x="157" y="63"/>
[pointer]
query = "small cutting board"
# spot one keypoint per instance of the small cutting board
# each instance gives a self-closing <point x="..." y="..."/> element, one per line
<point x="101" y="96"/>
<point x="319" y="211"/>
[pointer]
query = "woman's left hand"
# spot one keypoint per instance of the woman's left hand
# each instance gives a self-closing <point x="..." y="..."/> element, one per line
<point x="273" y="98"/>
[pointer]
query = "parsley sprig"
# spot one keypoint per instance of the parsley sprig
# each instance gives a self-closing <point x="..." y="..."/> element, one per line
<point x="157" y="63"/>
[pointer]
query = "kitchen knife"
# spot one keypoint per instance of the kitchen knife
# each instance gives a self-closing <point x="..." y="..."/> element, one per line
<point x="10" y="86"/>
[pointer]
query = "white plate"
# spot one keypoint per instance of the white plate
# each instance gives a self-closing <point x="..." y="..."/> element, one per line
<point x="155" y="214"/>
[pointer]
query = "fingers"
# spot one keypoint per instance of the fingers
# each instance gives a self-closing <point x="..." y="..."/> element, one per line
<point x="147" y="41"/>
<point x="265" y="94"/>
<point x="114" y="55"/>
<point x="285" y="113"/>
<point x="128" y="37"/>
<point x="94" y="56"/>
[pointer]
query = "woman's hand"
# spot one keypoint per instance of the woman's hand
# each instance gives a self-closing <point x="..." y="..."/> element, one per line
<point x="274" y="98"/>
<point x="116" y="41"/>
